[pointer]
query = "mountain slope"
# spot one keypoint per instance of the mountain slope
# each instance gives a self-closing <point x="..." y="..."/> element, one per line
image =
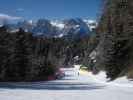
<point x="56" y="28"/>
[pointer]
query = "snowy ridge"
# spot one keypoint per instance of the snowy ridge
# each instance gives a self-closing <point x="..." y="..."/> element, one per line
<point x="92" y="24"/>
<point x="58" y="24"/>
<point x="55" y="28"/>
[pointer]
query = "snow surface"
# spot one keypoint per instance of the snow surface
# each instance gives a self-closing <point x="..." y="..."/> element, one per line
<point x="72" y="87"/>
<point x="58" y="24"/>
<point x="92" y="24"/>
<point x="101" y="78"/>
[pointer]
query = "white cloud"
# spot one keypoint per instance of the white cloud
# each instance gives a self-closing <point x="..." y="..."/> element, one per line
<point x="8" y="17"/>
<point x="4" y="18"/>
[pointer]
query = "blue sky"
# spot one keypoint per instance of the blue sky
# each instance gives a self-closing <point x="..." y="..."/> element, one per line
<point x="51" y="9"/>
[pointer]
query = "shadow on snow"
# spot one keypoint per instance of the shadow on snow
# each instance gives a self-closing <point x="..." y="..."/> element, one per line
<point x="50" y="86"/>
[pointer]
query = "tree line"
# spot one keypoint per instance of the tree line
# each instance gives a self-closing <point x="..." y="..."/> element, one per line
<point x="25" y="57"/>
<point x="115" y="36"/>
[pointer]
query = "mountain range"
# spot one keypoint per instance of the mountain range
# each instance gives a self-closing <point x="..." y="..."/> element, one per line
<point x="55" y="28"/>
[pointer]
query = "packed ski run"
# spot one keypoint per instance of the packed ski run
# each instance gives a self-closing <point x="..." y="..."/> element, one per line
<point x="74" y="86"/>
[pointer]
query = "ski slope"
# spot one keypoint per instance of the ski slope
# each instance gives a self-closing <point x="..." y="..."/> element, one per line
<point x="72" y="87"/>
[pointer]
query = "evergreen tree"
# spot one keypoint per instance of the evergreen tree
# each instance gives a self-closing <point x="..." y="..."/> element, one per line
<point x="115" y="42"/>
<point x="20" y="56"/>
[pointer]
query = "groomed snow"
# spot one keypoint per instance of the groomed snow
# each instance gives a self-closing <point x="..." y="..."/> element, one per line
<point x="72" y="87"/>
<point x="101" y="78"/>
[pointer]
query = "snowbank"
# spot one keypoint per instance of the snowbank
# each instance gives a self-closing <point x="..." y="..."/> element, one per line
<point x="101" y="78"/>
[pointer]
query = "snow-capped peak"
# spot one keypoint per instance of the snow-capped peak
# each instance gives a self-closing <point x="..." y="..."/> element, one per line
<point x="92" y="24"/>
<point x="58" y="24"/>
<point x="89" y="21"/>
<point x="30" y="22"/>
